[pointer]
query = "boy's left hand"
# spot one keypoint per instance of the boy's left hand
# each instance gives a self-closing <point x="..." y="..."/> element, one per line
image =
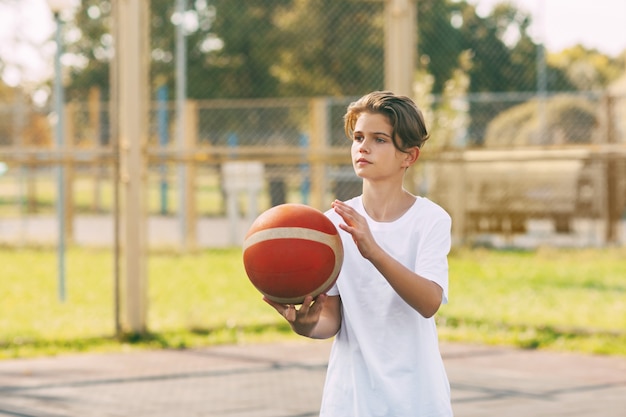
<point x="357" y="226"/>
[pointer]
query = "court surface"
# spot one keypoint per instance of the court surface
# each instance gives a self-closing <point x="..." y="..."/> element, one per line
<point x="286" y="379"/>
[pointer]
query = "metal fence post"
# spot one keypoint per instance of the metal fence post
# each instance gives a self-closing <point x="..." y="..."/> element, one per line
<point x="190" y="240"/>
<point x="132" y="71"/>
<point x="400" y="33"/>
<point x="319" y="120"/>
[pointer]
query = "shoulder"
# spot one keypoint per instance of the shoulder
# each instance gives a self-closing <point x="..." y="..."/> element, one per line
<point x="425" y="207"/>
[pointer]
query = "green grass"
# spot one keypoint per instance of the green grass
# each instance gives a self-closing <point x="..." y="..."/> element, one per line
<point x="561" y="299"/>
<point x="196" y="299"/>
<point x="553" y="299"/>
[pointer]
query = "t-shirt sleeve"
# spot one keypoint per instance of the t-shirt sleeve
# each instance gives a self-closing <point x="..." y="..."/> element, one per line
<point x="333" y="290"/>
<point x="432" y="257"/>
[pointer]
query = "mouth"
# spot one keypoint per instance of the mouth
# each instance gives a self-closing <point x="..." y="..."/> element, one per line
<point x="362" y="161"/>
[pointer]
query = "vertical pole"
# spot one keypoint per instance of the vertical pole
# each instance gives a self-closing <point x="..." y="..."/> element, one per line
<point x="95" y="127"/>
<point x="458" y="199"/>
<point x="163" y="131"/>
<point x="400" y="52"/>
<point x="542" y="77"/>
<point x="132" y="117"/>
<point x="115" y="145"/>
<point x="305" y="185"/>
<point x="69" y="121"/>
<point x="319" y="140"/>
<point x="400" y="45"/>
<point x="23" y="173"/>
<point x="191" y="141"/>
<point x="181" y="93"/>
<point x="612" y="181"/>
<point x="59" y="131"/>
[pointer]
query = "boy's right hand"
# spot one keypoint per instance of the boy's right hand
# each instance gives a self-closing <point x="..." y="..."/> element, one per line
<point x="304" y="319"/>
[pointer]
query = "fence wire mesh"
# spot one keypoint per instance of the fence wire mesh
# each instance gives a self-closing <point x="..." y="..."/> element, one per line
<point x="268" y="81"/>
<point x="527" y="148"/>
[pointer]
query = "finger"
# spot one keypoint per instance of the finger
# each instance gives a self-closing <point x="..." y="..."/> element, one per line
<point x="349" y="216"/>
<point x="345" y="217"/>
<point x="306" y="305"/>
<point x="321" y="298"/>
<point x="319" y="303"/>
<point x="349" y="229"/>
<point x="308" y="300"/>
<point x="268" y="301"/>
<point x="274" y="304"/>
<point x="339" y="207"/>
<point x="280" y="308"/>
<point x="290" y="313"/>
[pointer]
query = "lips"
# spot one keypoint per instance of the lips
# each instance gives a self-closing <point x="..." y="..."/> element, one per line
<point x="362" y="161"/>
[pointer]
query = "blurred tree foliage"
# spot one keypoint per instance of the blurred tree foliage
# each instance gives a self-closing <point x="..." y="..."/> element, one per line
<point x="330" y="47"/>
<point x="586" y="69"/>
<point x="288" y="48"/>
<point x="19" y="121"/>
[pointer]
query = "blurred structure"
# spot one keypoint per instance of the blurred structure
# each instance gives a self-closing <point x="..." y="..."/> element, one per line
<point x="525" y="147"/>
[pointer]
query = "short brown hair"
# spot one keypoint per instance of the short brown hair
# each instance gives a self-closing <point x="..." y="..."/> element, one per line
<point x="409" y="128"/>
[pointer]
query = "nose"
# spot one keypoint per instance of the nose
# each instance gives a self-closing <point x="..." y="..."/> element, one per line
<point x="363" y="147"/>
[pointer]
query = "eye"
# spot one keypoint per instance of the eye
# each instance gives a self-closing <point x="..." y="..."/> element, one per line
<point x="357" y="137"/>
<point x="381" y="140"/>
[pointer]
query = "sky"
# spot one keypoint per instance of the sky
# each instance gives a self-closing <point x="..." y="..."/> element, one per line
<point x="599" y="24"/>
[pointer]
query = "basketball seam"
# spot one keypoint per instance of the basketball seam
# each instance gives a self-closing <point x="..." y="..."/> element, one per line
<point x="289" y="233"/>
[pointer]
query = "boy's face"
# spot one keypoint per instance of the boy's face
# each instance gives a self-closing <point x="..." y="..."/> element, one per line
<point x="374" y="155"/>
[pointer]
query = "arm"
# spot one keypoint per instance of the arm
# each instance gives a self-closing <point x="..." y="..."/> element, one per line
<point x="317" y="319"/>
<point x="422" y="294"/>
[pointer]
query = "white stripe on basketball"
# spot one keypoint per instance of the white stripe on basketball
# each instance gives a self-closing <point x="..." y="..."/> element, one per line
<point x="289" y="233"/>
<point x="333" y="241"/>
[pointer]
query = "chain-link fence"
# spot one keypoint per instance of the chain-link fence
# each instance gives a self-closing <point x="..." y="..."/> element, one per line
<point x="527" y="148"/>
<point x="267" y="82"/>
<point x="496" y="189"/>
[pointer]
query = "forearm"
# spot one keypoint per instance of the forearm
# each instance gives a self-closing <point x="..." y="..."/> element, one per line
<point x="424" y="295"/>
<point x="324" y="329"/>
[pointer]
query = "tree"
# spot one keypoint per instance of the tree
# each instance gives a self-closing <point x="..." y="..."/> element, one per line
<point x="21" y="123"/>
<point x="288" y="48"/>
<point x="331" y="48"/>
<point x="250" y="46"/>
<point x="439" y="42"/>
<point x="231" y="46"/>
<point x="586" y="69"/>
<point x="94" y="46"/>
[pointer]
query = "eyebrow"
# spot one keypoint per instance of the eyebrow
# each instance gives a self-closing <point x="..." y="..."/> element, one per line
<point x="374" y="133"/>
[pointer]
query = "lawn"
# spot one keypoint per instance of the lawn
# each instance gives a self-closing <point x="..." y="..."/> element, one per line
<point x="556" y="298"/>
<point x="552" y="299"/>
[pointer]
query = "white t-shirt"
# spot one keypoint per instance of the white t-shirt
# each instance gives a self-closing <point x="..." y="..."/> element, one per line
<point x="385" y="360"/>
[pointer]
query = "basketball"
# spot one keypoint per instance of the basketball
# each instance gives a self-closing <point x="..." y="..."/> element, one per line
<point x="291" y="251"/>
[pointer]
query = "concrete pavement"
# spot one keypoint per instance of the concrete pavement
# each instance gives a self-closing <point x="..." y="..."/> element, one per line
<point x="98" y="231"/>
<point x="219" y="232"/>
<point x="286" y="380"/>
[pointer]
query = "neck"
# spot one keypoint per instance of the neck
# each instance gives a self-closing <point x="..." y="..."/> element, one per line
<point x="383" y="204"/>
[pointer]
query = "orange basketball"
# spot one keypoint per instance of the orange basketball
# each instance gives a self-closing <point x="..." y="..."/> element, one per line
<point x="291" y="251"/>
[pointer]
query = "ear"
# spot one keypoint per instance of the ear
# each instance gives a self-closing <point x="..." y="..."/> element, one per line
<point x="410" y="156"/>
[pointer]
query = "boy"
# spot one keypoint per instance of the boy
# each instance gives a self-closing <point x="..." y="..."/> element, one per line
<point x="385" y="358"/>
